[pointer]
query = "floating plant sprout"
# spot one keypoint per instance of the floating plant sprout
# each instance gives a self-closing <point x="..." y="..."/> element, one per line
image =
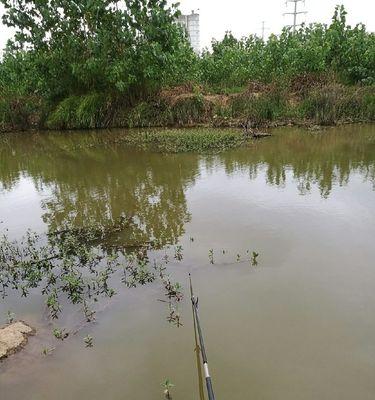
<point x="10" y="317"/>
<point x="174" y="316"/>
<point x="60" y="334"/>
<point x="46" y="351"/>
<point x="89" y="314"/>
<point x="211" y="256"/>
<point x="78" y="264"/>
<point x="167" y="386"/>
<point x="89" y="341"/>
<point x="254" y="259"/>
<point x="178" y="255"/>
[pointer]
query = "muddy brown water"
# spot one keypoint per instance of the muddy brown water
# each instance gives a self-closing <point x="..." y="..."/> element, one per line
<point x="300" y="325"/>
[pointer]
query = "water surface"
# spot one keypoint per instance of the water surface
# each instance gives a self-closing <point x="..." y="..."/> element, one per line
<point x="300" y="325"/>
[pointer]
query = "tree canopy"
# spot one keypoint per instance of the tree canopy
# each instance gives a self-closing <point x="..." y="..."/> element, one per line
<point x="72" y="47"/>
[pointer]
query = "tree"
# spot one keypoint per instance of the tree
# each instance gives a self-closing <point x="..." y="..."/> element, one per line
<point x="76" y="47"/>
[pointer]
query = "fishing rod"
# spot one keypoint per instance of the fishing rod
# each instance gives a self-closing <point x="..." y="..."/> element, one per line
<point x="194" y="302"/>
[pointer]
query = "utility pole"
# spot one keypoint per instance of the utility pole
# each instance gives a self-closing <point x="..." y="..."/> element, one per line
<point x="263" y="29"/>
<point x="295" y="13"/>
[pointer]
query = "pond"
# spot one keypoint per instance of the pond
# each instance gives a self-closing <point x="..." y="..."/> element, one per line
<point x="299" y="325"/>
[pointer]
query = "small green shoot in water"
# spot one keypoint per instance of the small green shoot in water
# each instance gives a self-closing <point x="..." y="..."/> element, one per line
<point x="48" y="351"/>
<point x="174" y="316"/>
<point x="167" y="386"/>
<point x="60" y="334"/>
<point x="89" y="341"/>
<point x="10" y="317"/>
<point x="178" y="253"/>
<point x="254" y="261"/>
<point x="89" y="314"/>
<point x="166" y="258"/>
<point x="191" y="239"/>
<point x="211" y="256"/>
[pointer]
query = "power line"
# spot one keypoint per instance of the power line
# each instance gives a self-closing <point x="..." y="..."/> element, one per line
<point x="295" y="13"/>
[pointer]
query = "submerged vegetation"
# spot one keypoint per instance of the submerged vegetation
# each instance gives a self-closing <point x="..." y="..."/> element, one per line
<point x="77" y="266"/>
<point x="80" y="266"/>
<point x="62" y="70"/>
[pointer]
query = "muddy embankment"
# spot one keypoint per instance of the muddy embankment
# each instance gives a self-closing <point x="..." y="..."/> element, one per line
<point x="303" y="101"/>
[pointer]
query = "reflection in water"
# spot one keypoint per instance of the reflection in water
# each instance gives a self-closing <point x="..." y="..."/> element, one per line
<point x="90" y="182"/>
<point x="322" y="159"/>
<point x="298" y="326"/>
<point x="98" y="185"/>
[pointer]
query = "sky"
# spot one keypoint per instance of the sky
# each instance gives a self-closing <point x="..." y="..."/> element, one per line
<point x="244" y="17"/>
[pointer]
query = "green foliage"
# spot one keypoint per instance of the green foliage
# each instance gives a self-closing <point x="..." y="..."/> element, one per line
<point x="317" y="48"/>
<point x="187" y="110"/>
<point x="167" y="386"/>
<point x="87" y="111"/>
<point x="78" y="266"/>
<point x="259" y="108"/>
<point x="93" y="64"/>
<point x="333" y="103"/>
<point x="175" y="141"/>
<point x="126" y="47"/>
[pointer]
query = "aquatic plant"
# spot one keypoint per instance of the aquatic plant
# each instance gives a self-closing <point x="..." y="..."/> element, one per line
<point x="167" y="386"/>
<point x="211" y="256"/>
<point x="89" y="341"/>
<point x="254" y="258"/>
<point x="46" y="351"/>
<point x="60" y="334"/>
<point x="172" y="290"/>
<point x="10" y="317"/>
<point x="178" y="253"/>
<point x="174" y="316"/>
<point x="176" y="141"/>
<point x="77" y="264"/>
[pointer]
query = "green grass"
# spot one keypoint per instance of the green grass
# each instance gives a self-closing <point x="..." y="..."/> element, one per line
<point x="335" y="103"/>
<point x="85" y="111"/>
<point x="181" y="141"/>
<point x="328" y="104"/>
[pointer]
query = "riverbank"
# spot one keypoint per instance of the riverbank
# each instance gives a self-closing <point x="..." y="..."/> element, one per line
<point x="303" y="102"/>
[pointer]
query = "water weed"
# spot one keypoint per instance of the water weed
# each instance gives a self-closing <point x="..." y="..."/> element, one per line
<point x="46" y="351"/>
<point x="10" y="317"/>
<point x="60" y="334"/>
<point x="89" y="341"/>
<point x="178" y="253"/>
<point x="254" y="258"/>
<point x="177" y="141"/>
<point x="211" y="256"/>
<point x="167" y="385"/>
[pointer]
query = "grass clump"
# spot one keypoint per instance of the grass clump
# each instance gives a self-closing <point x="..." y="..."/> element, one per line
<point x="178" y="141"/>
<point x="334" y="103"/>
<point x="84" y="111"/>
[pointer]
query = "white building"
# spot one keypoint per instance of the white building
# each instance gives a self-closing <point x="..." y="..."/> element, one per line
<point x="191" y="24"/>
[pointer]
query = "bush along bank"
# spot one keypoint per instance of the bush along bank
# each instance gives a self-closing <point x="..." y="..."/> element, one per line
<point x="92" y="65"/>
<point x="258" y="105"/>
